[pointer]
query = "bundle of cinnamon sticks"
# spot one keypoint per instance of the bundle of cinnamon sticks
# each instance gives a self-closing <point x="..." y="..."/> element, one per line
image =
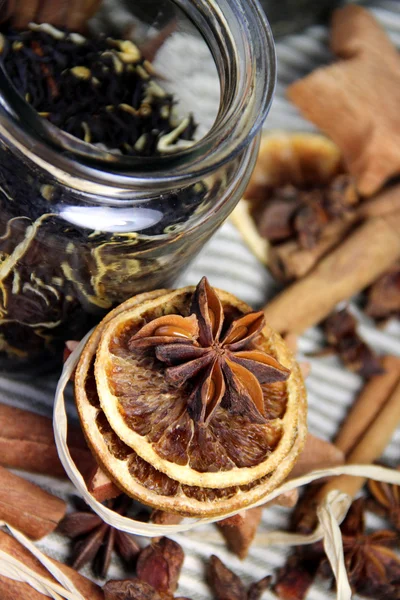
<point x="27" y="444"/>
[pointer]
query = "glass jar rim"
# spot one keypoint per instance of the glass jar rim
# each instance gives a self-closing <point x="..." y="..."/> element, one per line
<point x="241" y="42"/>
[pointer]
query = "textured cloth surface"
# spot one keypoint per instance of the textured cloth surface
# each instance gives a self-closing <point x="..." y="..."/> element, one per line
<point x="229" y="265"/>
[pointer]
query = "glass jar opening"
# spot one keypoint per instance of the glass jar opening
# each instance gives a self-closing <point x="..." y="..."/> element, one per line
<point x="236" y="39"/>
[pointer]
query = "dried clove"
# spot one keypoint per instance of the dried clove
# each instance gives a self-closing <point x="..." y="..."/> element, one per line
<point x="340" y="330"/>
<point x="160" y="564"/>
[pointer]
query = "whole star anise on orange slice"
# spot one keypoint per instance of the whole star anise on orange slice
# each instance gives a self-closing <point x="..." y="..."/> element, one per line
<point x="223" y="365"/>
<point x="188" y="403"/>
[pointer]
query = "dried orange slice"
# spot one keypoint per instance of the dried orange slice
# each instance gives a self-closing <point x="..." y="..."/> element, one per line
<point x="140" y="479"/>
<point x="203" y="439"/>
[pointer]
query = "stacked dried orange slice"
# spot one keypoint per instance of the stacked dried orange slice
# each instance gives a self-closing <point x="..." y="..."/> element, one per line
<point x="190" y="403"/>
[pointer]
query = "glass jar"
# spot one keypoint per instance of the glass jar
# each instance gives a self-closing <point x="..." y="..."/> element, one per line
<point x="82" y="228"/>
<point x="291" y="16"/>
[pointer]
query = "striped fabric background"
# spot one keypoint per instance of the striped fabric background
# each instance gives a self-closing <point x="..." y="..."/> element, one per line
<point x="229" y="265"/>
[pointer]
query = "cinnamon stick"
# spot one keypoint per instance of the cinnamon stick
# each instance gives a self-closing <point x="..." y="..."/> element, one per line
<point x="15" y="590"/>
<point x="27" y="443"/>
<point x="368" y="404"/>
<point x="27" y="507"/>
<point x="101" y="487"/>
<point x="317" y="454"/>
<point x="356" y="263"/>
<point x="384" y="203"/>
<point x="370" y="446"/>
<point x="289" y="260"/>
<point x="240" y="532"/>
<point x="292" y="342"/>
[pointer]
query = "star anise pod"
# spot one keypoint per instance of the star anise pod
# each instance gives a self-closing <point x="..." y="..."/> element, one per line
<point x="387" y="496"/>
<point x="219" y="357"/>
<point x="95" y="540"/>
<point x="373" y="568"/>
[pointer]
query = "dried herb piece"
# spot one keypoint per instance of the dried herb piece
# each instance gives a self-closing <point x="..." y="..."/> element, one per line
<point x="95" y="541"/>
<point x="340" y="329"/>
<point x="387" y="498"/>
<point x="160" y="564"/>
<point x="222" y="363"/>
<point x="225" y="584"/>
<point x="295" y="578"/>
<point x="383" y="297"/>
<point x="100" y="90"/>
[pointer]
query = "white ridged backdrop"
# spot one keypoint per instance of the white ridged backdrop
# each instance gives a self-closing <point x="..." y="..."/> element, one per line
<point x="229" y="265"/>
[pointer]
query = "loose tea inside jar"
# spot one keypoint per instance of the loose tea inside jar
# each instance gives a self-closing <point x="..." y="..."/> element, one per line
<point x="100" y="90"/>
<point x="104" y="190"/>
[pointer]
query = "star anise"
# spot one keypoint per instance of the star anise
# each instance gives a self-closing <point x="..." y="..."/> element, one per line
<point x="95" y="540"/>
<point x="218" y="357"/>
<point x="387" y="497"/>
<point x="372" y="567"/>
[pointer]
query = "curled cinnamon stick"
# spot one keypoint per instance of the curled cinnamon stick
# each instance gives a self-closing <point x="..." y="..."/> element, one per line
<point x="27" y="443"/>
<point x="27" y="507"/>
<point x="368" y="404"/>
<point x="363" y="256"/>
<point x="16" y="590"/>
